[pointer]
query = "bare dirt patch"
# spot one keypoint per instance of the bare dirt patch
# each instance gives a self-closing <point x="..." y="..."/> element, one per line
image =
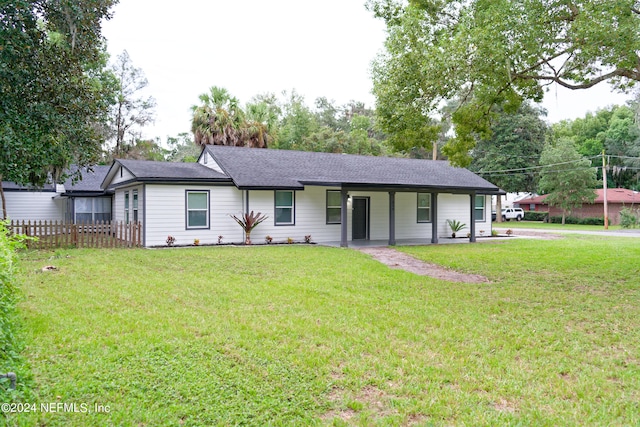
<point x="545" y="235"/>
<point x="402" y="261"/>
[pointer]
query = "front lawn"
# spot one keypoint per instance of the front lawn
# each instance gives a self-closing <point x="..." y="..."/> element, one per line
<point x="551" y="226"/>
<point x="300" y="335"/>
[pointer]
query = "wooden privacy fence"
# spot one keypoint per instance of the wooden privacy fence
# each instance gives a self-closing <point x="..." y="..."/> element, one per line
<point x="101" y="234"/>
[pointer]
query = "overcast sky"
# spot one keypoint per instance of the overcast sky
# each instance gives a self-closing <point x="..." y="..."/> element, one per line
<point x="252" y="47"/>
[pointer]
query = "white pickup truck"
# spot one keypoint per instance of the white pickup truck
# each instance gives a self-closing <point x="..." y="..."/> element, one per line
<point x="512" y="213"/>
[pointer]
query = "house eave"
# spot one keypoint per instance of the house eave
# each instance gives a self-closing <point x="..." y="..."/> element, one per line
<point x="85" y="193"/>
<point x="172" y="181"/>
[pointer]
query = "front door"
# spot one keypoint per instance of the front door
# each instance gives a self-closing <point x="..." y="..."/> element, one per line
<point x="360" y="218"/>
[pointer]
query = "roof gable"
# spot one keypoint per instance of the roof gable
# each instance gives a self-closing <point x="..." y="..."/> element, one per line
<point x="153" y="171"/>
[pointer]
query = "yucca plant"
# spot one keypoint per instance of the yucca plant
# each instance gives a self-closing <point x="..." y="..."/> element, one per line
<point x="249" y="221"/>
<point x="455" y="226"/>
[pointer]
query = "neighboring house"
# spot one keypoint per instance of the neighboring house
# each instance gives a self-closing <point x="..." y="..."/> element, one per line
<point x="332" y="197"/>
<point x="617" y="199"/>
<point x="82" y="201"/>
<point x="509" y="200"/>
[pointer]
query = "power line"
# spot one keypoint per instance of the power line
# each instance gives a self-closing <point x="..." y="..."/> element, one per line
<point x="538" y="167"/>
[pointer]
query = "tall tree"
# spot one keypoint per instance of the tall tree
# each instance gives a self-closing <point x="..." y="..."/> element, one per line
<point x="54" y="93"/>
<point x="622" y="143"/>
<point x="515" y="145"/>
<point x="182" y="148"/>
<point x="298" y="122"/>
<point x="220" y="120"/>
<point x="131" y="109"/>
<point x="499" y="52"/>
<point x="615" y="131"/>
<point x="144" y="149"/>
<point x="566" y="176"/>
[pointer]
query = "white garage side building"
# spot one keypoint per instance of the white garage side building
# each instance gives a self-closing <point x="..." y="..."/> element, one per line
<point x="81" y="201"/>
<point x="331" y="197"/>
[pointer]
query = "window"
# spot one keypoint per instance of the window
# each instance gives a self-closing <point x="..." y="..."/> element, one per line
<point x="126" y="207"/>
<point x="197" y="209"/>
<point x="284" y="206"/>
<point x="480" y="208"/>
<point x="90" y="209"/>
<point x="135" y="205"/>
<point x="334" y="207"/>
<point x="84" y="208"/>
<point x="102" y="209"/>
<point x="424" y="207"/>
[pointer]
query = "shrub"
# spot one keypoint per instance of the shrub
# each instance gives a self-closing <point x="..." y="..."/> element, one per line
<point x="9" y="343"/>
<point x="455" y="226"/>
<point x="629" y="218"/>
<point x="535" y="216"/>
<point x="249" y="221"/>
<point x="574" y="220"/>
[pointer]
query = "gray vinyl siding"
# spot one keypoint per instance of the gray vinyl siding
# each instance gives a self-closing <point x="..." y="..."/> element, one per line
<point x="34" y="206"/>
<point x="456" y="207"/>
<point x="117" y="212"/>
<point x="310" y="216"/>
<point x="166" y="215"/>
<point x="126" y="176"/>
<point x="407" y="225"/>
<point x="208" y="161"/>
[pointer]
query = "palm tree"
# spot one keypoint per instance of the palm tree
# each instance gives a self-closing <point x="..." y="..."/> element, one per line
<point x="220" y="120"/>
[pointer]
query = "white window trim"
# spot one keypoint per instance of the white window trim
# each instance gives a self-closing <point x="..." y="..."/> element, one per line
<point x="484" y="208"/>
<point x="333" y="207"/>
<point x="187" y="210"/>
<point x="292" y="207"/>
<point x="418" y="208"/>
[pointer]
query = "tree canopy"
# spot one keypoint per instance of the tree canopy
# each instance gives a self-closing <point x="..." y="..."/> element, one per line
<point x="496" y="52"/>
<point x="287" y="123"/>
<point x="130" y="110"/>
<point x="614" y="131"/>
<point x="54" y="93"/>
<point x="509" y="156"/>
<point x="54" y="98"/>
<point x="567" y="177"/>
<point x="221" y="120"/>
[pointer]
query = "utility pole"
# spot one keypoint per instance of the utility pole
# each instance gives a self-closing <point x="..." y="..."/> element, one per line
<point x="604" y="185"/>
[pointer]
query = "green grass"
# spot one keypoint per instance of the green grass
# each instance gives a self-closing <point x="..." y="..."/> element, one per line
<point x="306" y="335"/>
<point x="547" y="226"/>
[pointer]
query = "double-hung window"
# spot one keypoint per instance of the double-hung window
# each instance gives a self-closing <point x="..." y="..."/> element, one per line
<point x="424" y="207"/>
<point x="334" y="206"/>
<point x="285" y="208"/>
<point x="479" y="208"/>
<point x="135" y="205"/>
<point x="90" y="209"/>
<point x="197" y="209"/>
<point x="126" y="207"/>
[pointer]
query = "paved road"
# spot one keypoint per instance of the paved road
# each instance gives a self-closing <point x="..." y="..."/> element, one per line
<point x="604" y="233"/>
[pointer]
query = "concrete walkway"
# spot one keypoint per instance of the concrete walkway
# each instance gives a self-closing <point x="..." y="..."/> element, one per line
<point x="399" y="260"/>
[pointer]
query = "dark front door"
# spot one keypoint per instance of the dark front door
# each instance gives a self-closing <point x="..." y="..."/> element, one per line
<point x="360" y="218"/>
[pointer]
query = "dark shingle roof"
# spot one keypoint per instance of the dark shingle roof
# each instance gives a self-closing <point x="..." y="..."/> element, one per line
<point x="267" y="168"/>
<point x="90" y="181"/>
<point x="12" y="186"/>
<point x="144" y="169"/>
